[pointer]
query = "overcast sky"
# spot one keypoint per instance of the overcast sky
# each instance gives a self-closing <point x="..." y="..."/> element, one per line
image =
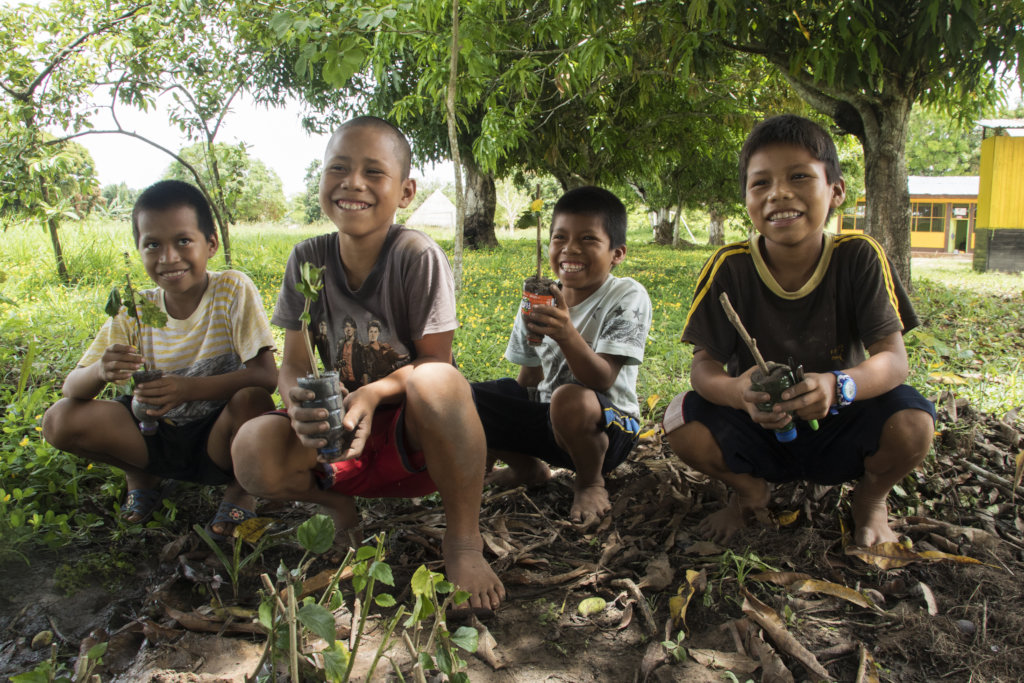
<point x="274" y="136"/>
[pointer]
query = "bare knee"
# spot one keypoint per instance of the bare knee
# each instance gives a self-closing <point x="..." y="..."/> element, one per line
<point x="905" y="440"/>
<point x="59" y="424"/>
<point x="437" y="384"/>
<point x="695" y="445"/>
<point x="260" y="457"/>
<point x="247" y="403"/>
<point x="575" y="410"/>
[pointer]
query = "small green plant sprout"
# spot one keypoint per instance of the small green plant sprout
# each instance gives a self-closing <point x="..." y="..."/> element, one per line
<point x="311" y="281"/>
<point x="252" y="531"/>
<point x="439" y="652"/>
<point x="137" y="307"/>
<point x="52" y="671"/>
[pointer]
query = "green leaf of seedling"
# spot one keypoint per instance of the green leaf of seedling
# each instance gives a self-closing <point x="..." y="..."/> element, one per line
<point x="149" y="313"/>
<point x="310" y="281"/>
<point x="266" y="613"/>
<point x="385" y="600"/>
<point x="40" y="674"/>
<point x="305" y="317"/>
<point x="382" y="572"/>
<point x="97" y="651"/>
<point x="318" y="620"/>
<point x="460" y="597"/>
<point x="113" y="306"/>
<point x="358" y="583"/>
<point x="316" y="534"/>
<point x="444" y="661"/>
<point x="467" y="638"/>
<point x="443" y="586"/>
<point x="421" y="581"/>
<point x="426" y="662"/>
<point x="336" y="661"/>
<point x="365" y="552"/>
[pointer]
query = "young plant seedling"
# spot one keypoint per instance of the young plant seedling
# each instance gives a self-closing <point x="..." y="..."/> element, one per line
<point x="140" y="311"/>
<point x="326" y="387"/>
<point x="536" y="288"/>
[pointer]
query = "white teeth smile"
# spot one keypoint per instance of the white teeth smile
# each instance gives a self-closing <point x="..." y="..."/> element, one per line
<point x="783" y="215"/>
<point x="351" y="206"/>
<point x="572" y="267"/>
<point x="173" y="274"/>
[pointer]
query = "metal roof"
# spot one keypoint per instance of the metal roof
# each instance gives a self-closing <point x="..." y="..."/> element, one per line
<point x="948" y="186"/>
<point x="1010" y="127"/>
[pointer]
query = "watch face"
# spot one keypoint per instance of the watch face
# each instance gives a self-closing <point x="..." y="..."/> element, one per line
<point x="848" y="389"/>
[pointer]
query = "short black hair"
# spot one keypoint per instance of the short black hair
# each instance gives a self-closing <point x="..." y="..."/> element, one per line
<point x="790" y="129"/>
<point x="595" y="201"/>
<point x="401" y="142"/>
<point x="373" y="323"/>
<point x="171" y="194"/>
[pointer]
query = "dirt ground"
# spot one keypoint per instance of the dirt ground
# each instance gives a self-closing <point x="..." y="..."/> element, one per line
<point x="774" y="605"/>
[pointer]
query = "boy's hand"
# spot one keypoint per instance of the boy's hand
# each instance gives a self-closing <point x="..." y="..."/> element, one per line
<point x="168" y="392"/>
<point x="118" y="362"/>
<point x="774" y="419"/>
<point x="359" y="408"/>
<point x="308" y="423"/>
<point x="811" y="398"/>
<point x="553" y="321"/>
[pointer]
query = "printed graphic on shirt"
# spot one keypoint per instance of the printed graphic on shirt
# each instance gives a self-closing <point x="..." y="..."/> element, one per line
<point x="364" y="352"/>
<point x="621" y="327"/>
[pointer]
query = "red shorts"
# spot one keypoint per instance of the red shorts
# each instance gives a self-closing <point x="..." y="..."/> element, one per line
<point x="387" y="467"/>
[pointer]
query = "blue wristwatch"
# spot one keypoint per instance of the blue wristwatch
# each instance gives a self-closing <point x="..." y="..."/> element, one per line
<point x="846" y="390"/>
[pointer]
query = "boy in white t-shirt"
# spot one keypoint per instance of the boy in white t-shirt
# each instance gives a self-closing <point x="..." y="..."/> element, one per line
<point x="584" y="370"/>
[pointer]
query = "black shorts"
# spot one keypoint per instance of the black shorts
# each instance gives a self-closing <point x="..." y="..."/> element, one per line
<point x="831" y="455"/>
<point x="179" y="451"/>
<point x="514" y="423"/>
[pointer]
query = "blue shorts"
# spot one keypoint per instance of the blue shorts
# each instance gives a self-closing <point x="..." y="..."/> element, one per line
<point x="831" y="455"/>
<point x="514" y="423"/>
<point x="178" y="451"/>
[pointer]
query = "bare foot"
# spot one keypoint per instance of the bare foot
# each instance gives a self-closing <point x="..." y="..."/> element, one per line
<point x="589" y="504"/>
<point x="468" y="570"/>
<point x="720" y="526"/>
<point x="529" y="473"/>
<point x="347" y="534"/>
<point x="871" y="520"/>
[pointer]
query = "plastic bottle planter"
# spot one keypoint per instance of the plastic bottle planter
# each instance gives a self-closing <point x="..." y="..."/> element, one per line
<point x="779" y="379"/>
<point x="147" y="423"/>
<point x="328" y="396"/>
<point x="536" y="292"/>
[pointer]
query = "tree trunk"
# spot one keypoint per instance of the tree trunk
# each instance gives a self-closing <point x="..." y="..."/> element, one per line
<point x="662" y="227"/>
<point x="481" y="199"/>
<point x="885" y="180"/>
<point x="716" y="229"/>
<point x="62" y="268"/>
<point x="453" y="143"/>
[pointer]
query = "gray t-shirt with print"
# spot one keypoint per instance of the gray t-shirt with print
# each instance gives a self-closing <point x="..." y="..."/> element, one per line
<point x="368" y="333"/>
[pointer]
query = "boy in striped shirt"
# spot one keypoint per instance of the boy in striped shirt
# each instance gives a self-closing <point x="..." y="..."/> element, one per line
<point x="216" y="354"/>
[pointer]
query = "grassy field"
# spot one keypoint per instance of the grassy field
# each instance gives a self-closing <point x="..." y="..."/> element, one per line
<point x="970" y="343"/>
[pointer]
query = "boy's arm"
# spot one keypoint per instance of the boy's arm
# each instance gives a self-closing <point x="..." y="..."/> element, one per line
<point x="594" y="370"/>
<point x="171" y="391"/>
<point x="530" y="375"/>
<point x="117" y="364"/>
<point x="885" y="369"/>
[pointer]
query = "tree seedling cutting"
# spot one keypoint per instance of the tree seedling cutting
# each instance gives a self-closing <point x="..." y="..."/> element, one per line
<point x="325" y="386"/>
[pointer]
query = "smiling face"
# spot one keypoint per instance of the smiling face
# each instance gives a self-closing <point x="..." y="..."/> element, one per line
<point x="174" y="252"/>
<point x="581" y="254"/>
<point x="788" y="195"/>
<point x="363" y="183"/>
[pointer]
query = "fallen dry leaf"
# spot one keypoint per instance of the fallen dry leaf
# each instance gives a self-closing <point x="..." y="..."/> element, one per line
<point x="734" y="661"/>
<point x="678" y="603"/>
<point x="773" y="670"/>
<point x="704" y="548"/>
<point x="787" y="517"/>
<point x="1019" y="458"/>
<point x="894" y="555"/>
<point x="659" y="573"/>
<point x="867" y="671"/>
<point x="487" y="646"/>
<point x="922" y="589"/>
<point x="835" y="590"/>
<point x="251" y="530"/>
<point x="780" y="578"/>
<point x="772" y="623"/>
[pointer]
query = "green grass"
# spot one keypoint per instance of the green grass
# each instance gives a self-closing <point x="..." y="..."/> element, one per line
<point x="970" y="342"/>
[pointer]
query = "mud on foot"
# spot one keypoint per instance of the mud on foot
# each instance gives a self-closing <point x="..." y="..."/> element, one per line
<point x="529" y="473"/>
<point x="589" y="504"/>
<point x="870" y="520"/>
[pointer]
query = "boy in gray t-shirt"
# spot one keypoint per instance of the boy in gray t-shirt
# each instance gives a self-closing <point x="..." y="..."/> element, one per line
<point x="584" y="370"/>
<point x="410" y="412"/>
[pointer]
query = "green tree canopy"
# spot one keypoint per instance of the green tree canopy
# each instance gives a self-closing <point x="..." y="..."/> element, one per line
<point x="251" y="191"/>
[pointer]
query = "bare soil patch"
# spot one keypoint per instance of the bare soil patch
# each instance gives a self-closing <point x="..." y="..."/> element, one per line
<point x="941" y="619"/>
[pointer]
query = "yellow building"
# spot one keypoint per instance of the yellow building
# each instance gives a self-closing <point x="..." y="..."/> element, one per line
<point x="1000" y="224"/>
<point x="942" y="214"/>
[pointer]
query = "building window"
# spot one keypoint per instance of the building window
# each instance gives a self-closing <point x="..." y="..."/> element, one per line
<point x="853" y="217"/>
<point x="927" y="217"/>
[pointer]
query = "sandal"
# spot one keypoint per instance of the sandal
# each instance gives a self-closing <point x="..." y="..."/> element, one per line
<point x="142" y="503"/>
<point x="231" y="513"/>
